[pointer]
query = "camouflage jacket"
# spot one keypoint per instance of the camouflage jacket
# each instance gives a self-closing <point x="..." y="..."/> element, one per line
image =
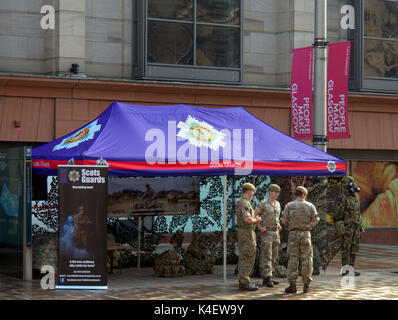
<point x="347" y="209"/>
<point x="269" y="214"/>
<point x="299" y="214"/>
<point x="244" y="209"/>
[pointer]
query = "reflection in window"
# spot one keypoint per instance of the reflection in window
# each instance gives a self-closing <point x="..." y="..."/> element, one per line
<point x="218" y="11"/>
<point x="381" y="19"/>
<point x="381" y="58"/>
<point x="381" y="39"/>
<point x="187" y="39"/>
<point x="170" y="9"/>
<point x="170" y="42"/>
<point x="218" y="46"/>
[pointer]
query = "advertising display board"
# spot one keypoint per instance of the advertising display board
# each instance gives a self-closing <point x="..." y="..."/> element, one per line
<point x="82" y="227"/>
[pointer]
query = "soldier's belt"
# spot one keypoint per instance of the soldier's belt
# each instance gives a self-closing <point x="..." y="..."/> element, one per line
<point x="299" y="230"/>
<point x="247" y="228"/>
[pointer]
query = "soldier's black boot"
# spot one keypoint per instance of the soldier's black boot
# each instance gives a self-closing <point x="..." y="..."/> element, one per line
<point x="356" y="273"/>
<point x="344" y="273"/>
<point x="275" y="282"/>
<point x="268" y="282"/>
<point x="247" y="287"/>
<point x="306" y="288"/>
<point x="291" y="288"/>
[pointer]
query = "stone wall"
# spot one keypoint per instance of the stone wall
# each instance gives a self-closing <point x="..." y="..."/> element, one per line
<point x="22" y="41"/>
<point x="97" y="35"/>
<point x="87" y="32"/>
<point x="109" y="38"/>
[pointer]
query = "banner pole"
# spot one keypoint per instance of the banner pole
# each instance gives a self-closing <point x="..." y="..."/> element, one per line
<point x="225" y="230"/>
<point x="320" y="75"/>
<point x="139" y="242"/>
<point x="27" y="250"/>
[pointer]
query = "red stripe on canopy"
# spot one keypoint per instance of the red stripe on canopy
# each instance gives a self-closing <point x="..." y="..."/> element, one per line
<point x="141" y="165"/>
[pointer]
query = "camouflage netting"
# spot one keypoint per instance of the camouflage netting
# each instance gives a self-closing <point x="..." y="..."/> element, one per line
<point x="211" y="205"/>
<point x="197" y="260"/>
<point x="45" y="230"/>
<point x="44" y="251"/>
<point x="168" y="265"/>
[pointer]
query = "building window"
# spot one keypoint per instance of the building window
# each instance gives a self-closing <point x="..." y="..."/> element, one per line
<point x="376" y="41"/>
<point x="195" y="40"/>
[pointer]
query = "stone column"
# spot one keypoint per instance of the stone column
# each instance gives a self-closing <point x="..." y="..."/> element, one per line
<point x="66" y="45"/>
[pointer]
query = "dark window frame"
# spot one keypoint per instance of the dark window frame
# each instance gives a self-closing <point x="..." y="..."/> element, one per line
<point x="144" y="70"/>
<point x="359" y="81"/>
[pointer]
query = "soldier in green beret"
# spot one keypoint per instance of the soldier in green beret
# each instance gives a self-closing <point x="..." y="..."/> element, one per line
<point x="269" y="210"/>
<point x="300" y="216"/>
<point x="247" y="222"/>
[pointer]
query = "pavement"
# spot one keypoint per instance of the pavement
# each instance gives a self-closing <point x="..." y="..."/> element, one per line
<point x="378" y="281"/>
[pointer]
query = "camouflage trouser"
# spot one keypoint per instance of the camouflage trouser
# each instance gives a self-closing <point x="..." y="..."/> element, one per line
<point x="350" y="245"/>
<point x="269" y="244"/>
<point x="80" y="239"/>
<point x="316" y="263"/>
<point x="247" y="254"/>
<point x="299" y="246"/>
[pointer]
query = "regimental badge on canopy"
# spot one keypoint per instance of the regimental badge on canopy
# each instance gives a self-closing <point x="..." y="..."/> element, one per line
<point x="87" y="133"/>
<point x="331" y="166"/>
<point x="200" y="134"/>
<point x="102" y="162"/>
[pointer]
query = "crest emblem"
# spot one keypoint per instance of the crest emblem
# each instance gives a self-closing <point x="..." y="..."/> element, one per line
<point x="87" y="133"/>
<point x="200" y="134"/>
<point x="74" y="176"/>
<point x="102" y="162"/>
<point x="331" y="166"/>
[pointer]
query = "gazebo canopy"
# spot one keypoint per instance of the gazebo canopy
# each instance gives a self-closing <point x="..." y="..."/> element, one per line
<point x="178" y="140"/>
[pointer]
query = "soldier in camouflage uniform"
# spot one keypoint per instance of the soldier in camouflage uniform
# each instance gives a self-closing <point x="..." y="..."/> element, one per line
<point x="300" y="216"/>
<point x="82" y="229"/>
<point x="348" y="222"/>
<point x="247" y="222"/>
<point x="269" y="210"/>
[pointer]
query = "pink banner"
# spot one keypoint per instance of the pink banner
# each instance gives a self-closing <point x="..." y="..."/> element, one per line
<point x="301" y="93"/>
<point x="337" y="87"/>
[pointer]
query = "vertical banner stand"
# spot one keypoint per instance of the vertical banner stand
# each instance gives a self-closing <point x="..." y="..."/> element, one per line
<point x="82" y="241"/>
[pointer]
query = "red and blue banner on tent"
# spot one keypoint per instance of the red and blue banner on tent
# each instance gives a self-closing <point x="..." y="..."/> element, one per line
<point x="180" y="140"/>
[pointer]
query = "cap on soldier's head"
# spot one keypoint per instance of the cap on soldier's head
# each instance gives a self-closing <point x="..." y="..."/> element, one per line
<point x="302" y="190"/>
<point x="274" y="187"/>
<point x="248" y="186"/>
